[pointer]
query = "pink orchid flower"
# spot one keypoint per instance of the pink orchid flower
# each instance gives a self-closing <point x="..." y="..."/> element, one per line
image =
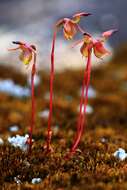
<point x="27" y="53"/>
<point x="88" y="45"/>
<point x="70" y="28"/>
<point x="96" y="45"/>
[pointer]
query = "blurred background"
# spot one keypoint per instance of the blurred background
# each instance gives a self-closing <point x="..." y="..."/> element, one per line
<point x="32" y="21"/>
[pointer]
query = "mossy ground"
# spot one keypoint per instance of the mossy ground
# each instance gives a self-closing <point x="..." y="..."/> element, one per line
<point x="93" y="167"/>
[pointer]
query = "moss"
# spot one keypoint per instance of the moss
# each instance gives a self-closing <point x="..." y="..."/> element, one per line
<point x="93" y="167"/>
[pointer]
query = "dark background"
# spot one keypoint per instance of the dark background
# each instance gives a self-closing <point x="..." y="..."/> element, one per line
<point x="32" y="20"/>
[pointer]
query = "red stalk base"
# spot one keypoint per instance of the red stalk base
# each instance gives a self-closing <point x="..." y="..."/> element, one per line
<point x="49" y="133"/>
<point x="82" y="112"/>
<point x="32" y="105"/>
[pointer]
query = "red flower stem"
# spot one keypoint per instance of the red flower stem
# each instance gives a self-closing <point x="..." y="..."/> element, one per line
<point x="82" y="95"/>
<point x="49" y="135"/>
<point x="86" y="96"/>
<point x="82" y="98"/>
<point x="82" y="115"/>
<point x="80" y="29"/>
<point x="32" y="103"/>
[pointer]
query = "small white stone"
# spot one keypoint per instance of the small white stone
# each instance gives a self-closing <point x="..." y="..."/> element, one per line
<point x="1" y="141"/>
<point x="44" y="113"/>
<point x="14" y="128"/>
<point x="36" y="180"/>
<point x="91" y="92"/>
<point x="89" y="109"/>
<point x="120" y="154"/>
<point x="19" y="141"/>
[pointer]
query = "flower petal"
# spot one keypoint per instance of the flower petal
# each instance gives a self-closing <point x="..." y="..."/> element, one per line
<point x="70" y="29"/>
<point x="87" y="38"/>
<point x="25" y="56"/>
<point x="77" y="16"/>
<point x="99" y="49"/>
<point x="108" y="33"/>
<point x="66" y="35"/>
<point x="60" y="23"/>
<point x="85" y="49"/>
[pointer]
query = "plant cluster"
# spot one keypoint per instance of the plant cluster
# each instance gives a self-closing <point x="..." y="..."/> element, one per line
<point x="70" y="27"/>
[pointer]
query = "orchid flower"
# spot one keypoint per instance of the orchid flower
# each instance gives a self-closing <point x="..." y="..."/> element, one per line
<point x="70" y="28"/>
<point x="28" y="52"/>
<point x="88" y="45"/>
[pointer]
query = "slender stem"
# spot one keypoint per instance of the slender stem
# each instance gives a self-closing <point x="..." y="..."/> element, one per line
<point x="86" y="95"/>
<point x="49" y="135"/>
<point x="82" y="95"/>
<point x="80" y="29"/>
<point x="32" y="103"/>
<point x="82" y="115"/>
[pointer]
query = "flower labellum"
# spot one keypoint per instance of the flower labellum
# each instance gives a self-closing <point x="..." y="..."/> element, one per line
<point x="70" y="26"/>
<point x="97" y="45"/>
<point x="26" y="51"/>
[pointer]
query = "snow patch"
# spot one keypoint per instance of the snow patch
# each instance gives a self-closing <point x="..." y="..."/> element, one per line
<point x="91" y="92"/>
<point x="1" y="141"/>
<point x="120" y="154"/>
<point x="36" y="180"/>
<point x="44" y="113"/>
<point x="19" y="141"/>
<point x="36" y="80"/>
<point x="89" y="109"/>
<point x="14" y="128"/>
<point x="9" y="87"/>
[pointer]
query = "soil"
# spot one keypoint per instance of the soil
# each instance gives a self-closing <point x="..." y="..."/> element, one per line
<point x="93" y="167"/>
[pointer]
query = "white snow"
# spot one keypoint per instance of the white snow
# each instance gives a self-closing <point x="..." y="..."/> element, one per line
<point x="89" y="109"/>
<point x="19" y="141"/>
<point x="1" y="141"/>
<point x="36" y="180"/>
<point x="120" y="154"/>
<point x="36" y="80"/>
<point x="44" y="114"/>
<point x="91" y="92"/>
<point x="9" y="87"/>
<point x="14" y="128"/>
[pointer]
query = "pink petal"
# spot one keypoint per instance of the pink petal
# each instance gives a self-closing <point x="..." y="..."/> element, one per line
<point x="60" y="23"/>
<point x="85" y="49"/>
<point x="76" y="17"/>
<point x="26" y="56"/>
<point x="108" y="33"/>
<point x="87" y="38"/>
<point x="70" y="29"/>
<point x="99" y="49"/>
<point x="81" y="14"/>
